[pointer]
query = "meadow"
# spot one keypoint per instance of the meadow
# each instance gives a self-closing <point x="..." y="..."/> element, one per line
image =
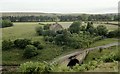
<point x="27" y="30"/>
<point x="103" y="67"/>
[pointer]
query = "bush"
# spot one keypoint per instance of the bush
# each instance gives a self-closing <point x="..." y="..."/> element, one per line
<point x="75" y="27"/>
<point x="31" y="67"/>
<point x="39" y="30"/>
<point x="115" y="33"/>
<point x="7" y="44"/>
<point x="30" y="51"/>
<point x="38" y="67"/>
<point x="22" y="43"/>
<point x="90" y="28"/>
<point x="109" y="58"/>
<point x="46" y="26"/>
<point x="38" y="45"/>
<point x="6" y="23"/>
<point x="102" y="30"/>
<point x="49" y="33"/>
<point x="48" y="38"/>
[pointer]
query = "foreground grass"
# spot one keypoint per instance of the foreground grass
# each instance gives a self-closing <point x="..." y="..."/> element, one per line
<point x="16" y="55"/>
<point x="106" y="67"/>
<point x="103" y="67"/>
<point x="96" y="54"/>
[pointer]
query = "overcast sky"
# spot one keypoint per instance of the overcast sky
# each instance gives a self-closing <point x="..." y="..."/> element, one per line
<point x="60" y="6"/>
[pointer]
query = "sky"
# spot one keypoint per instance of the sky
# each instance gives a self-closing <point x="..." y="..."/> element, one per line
<point x="60" y="6"/>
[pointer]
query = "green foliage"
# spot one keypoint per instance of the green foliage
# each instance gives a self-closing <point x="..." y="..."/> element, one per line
<point x="89" y="25"/>
<point x="6" y="23"/>
<point x="37" y="44"/>
<point x="90" y="28"/>
<point x="32" y="67"/>
<point x="109" y="58"/>
<point x="115" y="33"/>
<point x="107" y="55"/>
<point x="49" y="38"/>
<point x="44" y="31"/>
<point x="7" y="44"/>
<point x="102" y="30"/>
<point x="40" y="46"/>
<point x="30" y="51"/>
<point x="75" y="27"/>
<point x="39" y="30"/>
<point x="80" y="40"/>
<point x="46" y="27"/>
<point x="22" y="43"/>
<point x="62" y="39"/>
<point x="38" y="67"/>
<point x="97" y="38"/>
<point x="83" y="28"/>
<point x="49" y="33"/>
<point x="85" y="67"/>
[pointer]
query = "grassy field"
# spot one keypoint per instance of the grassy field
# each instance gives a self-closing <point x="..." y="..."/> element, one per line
<point x="27" y="30"/>
<point x="20" y="30"/>
<point x="104" y="42"/>
<point x="109" y="27"/>
<point x="103" y="67"/>
<point x="97" y="54"/>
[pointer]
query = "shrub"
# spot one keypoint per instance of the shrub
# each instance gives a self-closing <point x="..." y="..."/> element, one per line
<point x="49" y="33"/>
<point x="22" y="43"/>
<point x="46" y="26"/>
<point x="115" y="33"/>
<point x="90" y="28"/>
<point x="30" y="51"/>
<point x="7" y="44"/>
<point x="109" y="58"/>
<point x="31" y="67"/>
<point x="6" y="23"/>
<point x="75" y="27"/>
<point x="37" y="67"/>
<point x="48" y="38"/>
<point x="38" y="45"/>
<point x="39" y="30"/>
<point x="102" y="30"/>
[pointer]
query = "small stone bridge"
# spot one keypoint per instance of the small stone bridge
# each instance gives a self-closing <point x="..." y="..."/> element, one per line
<point x="80" y="55"/>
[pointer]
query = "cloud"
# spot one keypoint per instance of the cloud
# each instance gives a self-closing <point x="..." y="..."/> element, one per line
<point x="60" y="6"/>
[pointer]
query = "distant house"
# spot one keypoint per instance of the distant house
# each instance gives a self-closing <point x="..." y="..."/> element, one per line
<point x="55" y="27"/>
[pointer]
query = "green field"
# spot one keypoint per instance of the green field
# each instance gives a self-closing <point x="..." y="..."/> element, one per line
<point x="103" y="67"/>
<point x="27" y="30"/>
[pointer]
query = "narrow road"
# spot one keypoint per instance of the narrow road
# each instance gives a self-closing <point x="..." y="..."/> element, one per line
<point x="81" y="51"/>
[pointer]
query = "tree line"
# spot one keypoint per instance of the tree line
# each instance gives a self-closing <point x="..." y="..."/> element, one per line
<point x="63" y="18"/>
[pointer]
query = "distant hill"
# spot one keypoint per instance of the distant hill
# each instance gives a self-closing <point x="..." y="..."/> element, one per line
<point x="26" y="14"/>
<point x="45" y="14"/>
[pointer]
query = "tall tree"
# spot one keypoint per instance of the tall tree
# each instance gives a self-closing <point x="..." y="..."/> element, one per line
<point x="75" y="27"/>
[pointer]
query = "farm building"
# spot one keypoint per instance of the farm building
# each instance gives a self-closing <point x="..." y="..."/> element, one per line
<point x="55" y="27"/>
